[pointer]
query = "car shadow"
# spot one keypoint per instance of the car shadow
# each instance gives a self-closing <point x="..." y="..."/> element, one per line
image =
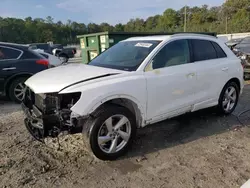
<point x="7" y="106"/>
<point x="189" y="127"/>
<point x="181" y="130"/>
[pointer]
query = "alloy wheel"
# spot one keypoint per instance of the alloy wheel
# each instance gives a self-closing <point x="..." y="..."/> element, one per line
<point x="114" y="134"/>
<point x="63" y="59"/>
<point x="19" y="91"/>
<point x="229" y="99"/>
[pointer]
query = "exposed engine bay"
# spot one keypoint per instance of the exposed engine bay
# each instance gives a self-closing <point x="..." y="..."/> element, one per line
<point x="49" y="114"/>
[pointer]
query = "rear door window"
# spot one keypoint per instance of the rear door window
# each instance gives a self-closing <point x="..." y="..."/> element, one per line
<point x="203" y="50"/>
<point x="9" y="53"/>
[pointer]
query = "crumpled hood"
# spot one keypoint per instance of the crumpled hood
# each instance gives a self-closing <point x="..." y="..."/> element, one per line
<point x="56" y="79"/>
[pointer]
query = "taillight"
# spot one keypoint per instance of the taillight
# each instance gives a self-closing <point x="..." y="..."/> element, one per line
<point x="44" y="62"/>
<point x="73" y="51"/>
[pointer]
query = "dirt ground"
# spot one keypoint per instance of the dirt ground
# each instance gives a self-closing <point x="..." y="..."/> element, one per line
<point x="192" y="151"/>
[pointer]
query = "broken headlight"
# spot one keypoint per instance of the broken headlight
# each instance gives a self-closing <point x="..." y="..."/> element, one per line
<point x="69" y="99"/>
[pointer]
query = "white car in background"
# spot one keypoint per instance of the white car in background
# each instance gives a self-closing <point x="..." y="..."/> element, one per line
<point x="53" y="60"/>
<point x="135" y="83"/>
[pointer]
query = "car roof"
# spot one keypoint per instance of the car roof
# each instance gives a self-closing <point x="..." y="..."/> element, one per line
<point x="14" y="45"/>
<point x="38" y="43"/>
<point x="153" y="37"/>
<point x="166" y="37"/>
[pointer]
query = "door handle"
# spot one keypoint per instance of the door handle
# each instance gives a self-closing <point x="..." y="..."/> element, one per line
<point x="9" y="68"/>
<point x="225" y="69"/>
<point x="191" y="74"/>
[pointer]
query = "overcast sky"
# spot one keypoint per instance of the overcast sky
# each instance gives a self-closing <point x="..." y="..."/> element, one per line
<point x="85" y="11"/>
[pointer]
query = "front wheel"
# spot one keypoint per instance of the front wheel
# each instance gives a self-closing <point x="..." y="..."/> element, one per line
<point x="110" y="132"/>
<point x="229" y="98"/>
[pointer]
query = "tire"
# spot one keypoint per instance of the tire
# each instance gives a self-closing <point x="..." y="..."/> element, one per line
<point x="222" y="107"/>
<point x="14" y="86"/>
<point x="95" y="126"/>
<point x="64" y="58"/>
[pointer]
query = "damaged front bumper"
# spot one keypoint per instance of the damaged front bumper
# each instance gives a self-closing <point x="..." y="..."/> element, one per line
<point x="46" y="120"/>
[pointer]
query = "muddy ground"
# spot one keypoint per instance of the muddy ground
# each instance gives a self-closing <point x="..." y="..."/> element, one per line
<point x="195" y="150"/>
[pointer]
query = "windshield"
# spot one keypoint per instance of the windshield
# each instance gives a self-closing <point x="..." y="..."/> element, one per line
<point x="126" y="55"/>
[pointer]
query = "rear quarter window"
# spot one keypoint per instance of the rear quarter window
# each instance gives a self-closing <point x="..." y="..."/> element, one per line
<point x="30" y="54"/>
<point x="219" y="50"/>
<point x="203" y="50"/>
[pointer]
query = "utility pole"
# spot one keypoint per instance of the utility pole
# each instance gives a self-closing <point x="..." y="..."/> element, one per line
<point x="226" y="25"/>
<point x="185" y="19"/>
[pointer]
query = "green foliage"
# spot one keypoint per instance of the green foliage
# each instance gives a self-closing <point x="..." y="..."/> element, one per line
<point x="232" y="16"/>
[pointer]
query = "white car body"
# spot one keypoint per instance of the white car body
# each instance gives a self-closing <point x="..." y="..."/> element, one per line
<point x="158" y="94"/>
<point x="53" y="60"/>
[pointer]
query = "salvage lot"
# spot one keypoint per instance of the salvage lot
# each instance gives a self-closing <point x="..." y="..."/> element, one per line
<point x="195" y="150"/>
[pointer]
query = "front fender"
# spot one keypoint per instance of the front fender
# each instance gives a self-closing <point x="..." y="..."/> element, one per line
<point x="95" y="93"/>
<point x="84" y="107"/>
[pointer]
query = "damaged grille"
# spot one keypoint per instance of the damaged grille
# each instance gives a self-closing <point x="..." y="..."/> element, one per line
<point x="47" y="103"/>
<point x="51" y="103"/>
<point x="39" y="103"/>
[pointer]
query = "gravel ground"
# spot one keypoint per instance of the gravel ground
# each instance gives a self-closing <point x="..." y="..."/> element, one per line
<point x="195" y="150"/>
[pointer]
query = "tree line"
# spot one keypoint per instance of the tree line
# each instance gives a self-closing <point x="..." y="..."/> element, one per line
<point x="231" y="17"/>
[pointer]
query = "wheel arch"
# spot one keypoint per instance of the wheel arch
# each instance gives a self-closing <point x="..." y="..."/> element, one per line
<point x="236" y="80"/>
<point x="12" y="78"/>
<point x="130" y="105"/>
<point x="63" y="54"/>
<point x="122" y="100"/>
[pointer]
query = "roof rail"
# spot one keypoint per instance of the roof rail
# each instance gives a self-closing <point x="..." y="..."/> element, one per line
<point x="212" y="35"/>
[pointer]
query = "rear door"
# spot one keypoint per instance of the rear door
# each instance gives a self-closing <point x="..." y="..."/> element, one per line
<point x="8" y="59"/>
<point x="212" y="67"/>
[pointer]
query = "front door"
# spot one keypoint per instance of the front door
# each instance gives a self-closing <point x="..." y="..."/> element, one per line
<point x="4" y="74"/>
<point x="170" y="80"/>
<point x="8" y="60"/>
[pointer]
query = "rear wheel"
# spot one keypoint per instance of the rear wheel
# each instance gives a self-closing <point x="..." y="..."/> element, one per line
<point x="63" y="58"/>
<point x="110" y="132"/>
<point x="229" y="98"/>
<point x="17" y="89"/>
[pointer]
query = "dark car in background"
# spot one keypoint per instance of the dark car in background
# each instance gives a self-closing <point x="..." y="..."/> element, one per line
<point x="17" y="64"/>
<point x="64" y="53"/>
<point x="233" y="42"/>
<point x="43" y="46"/>
<point x="241" y="48"/>
<point x="243" y="45"/>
